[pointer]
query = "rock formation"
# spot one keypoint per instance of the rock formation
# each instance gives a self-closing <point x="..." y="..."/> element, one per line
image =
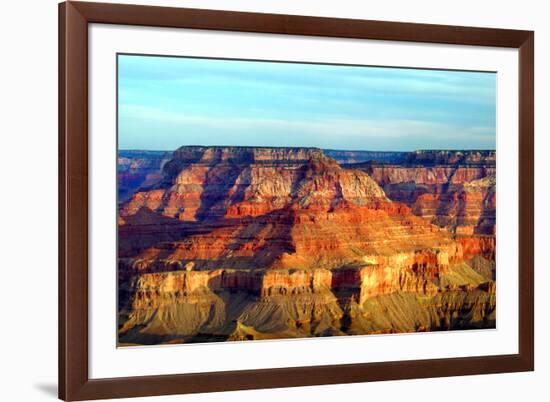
<point x="236" y="243"/>
<point x="137" y="169"/>
<point x="452" y="189"/>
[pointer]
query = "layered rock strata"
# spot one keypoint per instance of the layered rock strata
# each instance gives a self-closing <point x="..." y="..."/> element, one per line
<point x="236" y="243"/>
<point x="455" y="190"/>
<point x="139" y="169"/>
<point x="184" y="306"/>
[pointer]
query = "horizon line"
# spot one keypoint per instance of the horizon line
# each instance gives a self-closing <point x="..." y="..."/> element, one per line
<point x="306" y="147"/>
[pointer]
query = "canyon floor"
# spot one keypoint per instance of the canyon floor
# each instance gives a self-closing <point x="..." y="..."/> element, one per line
<point x="249" y="243"/>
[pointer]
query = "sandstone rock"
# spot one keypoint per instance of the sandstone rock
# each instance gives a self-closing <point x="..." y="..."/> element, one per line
<point x="453" y="189"/>
<point x="238" y="243"/>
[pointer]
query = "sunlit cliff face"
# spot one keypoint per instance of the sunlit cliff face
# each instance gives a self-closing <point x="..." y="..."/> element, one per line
<point x="238" y="243"/>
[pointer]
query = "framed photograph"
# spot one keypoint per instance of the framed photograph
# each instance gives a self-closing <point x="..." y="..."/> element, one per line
<point x="260" y="200"/>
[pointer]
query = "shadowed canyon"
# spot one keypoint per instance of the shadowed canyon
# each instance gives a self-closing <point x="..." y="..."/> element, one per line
<point x="248" y="243"/>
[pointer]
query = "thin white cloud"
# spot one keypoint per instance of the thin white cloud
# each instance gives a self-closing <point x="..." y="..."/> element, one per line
<point x="359" y="128"/>
<point x="403" y="86"/>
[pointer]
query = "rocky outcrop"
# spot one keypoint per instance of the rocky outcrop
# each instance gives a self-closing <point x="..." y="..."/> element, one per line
<point x="139" y="169"/>
<point x="453" y="189"/>
<point x="191" y="306"/>
<point x="201" y="183"/>
<point x="236" y="243"/>
<point x="310" y="213"/>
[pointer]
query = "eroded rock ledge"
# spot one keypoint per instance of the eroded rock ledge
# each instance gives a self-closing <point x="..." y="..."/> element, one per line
<point x="421" y="291"/>
<point x="234" y="243"/>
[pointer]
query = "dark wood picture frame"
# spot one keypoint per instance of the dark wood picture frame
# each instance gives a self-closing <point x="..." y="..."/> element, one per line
<point x="74" y="382"/>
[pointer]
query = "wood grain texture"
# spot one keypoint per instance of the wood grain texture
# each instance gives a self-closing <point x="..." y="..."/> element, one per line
<point x="73" y="196"/>
<point x="74" y="382"/>
<point x="298" y="25"/>
<point x="526" y="201"/>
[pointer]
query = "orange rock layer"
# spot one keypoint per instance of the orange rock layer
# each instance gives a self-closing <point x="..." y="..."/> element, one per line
<point x="286" y="242"/>
<point x="457" y="192"/>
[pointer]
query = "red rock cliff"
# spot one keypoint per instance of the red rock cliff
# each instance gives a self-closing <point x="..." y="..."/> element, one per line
<point x="452" y="189"/>
<point x="255" y="243"/>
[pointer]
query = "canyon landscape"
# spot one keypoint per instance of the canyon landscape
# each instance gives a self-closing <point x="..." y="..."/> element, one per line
<point x="262" y="200"/>
<point x="233" y="243"/>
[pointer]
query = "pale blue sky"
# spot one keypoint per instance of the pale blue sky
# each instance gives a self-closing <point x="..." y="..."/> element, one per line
<point x="167" y="102"/>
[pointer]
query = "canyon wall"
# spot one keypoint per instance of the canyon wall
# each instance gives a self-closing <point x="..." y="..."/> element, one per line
<point x="452" y="189"/>
<point x="198" y="306"/>
<point x="138" y="169"/>
<point x="236" y="243"/>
